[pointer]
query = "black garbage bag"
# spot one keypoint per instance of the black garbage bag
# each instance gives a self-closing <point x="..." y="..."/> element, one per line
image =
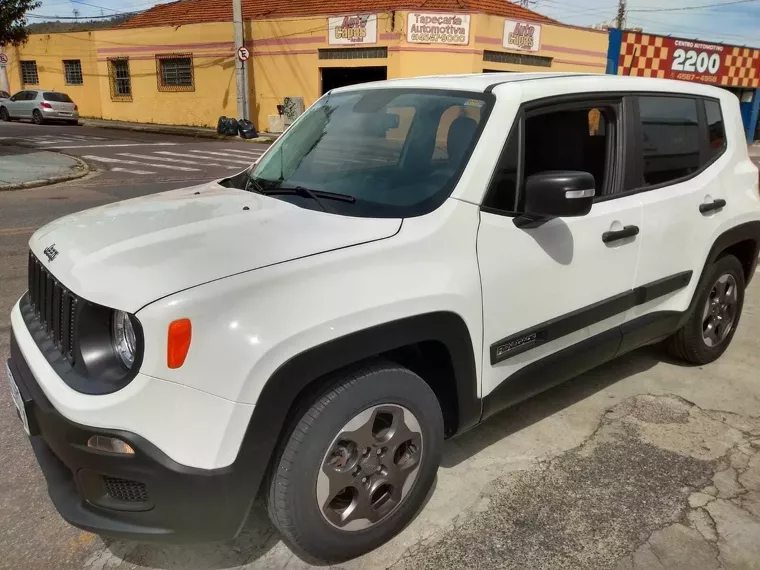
<point x="221" y="125"/>
<point x="232" y="127"/>
<point x="247" y="130"/>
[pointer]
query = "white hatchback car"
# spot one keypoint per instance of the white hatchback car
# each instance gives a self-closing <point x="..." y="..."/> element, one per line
<point x="411" y="257"/>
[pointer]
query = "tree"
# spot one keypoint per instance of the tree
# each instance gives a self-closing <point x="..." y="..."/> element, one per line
<point x="12" y="21"/>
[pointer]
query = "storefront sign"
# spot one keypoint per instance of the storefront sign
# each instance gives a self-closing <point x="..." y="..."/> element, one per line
<point x="354" y="29"/>
<point x="646" y="55"/>
<point x="438" y="28"/>
<point x="522" y="36"/>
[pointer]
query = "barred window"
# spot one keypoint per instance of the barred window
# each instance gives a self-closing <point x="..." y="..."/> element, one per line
<point x="29" y="73"/>
<point x="72" y="71"/>
<point x="517" y="58"/>
<point x="353" y="53"/>
<point x="121" y="84"/>
<point x="175" y="72"/>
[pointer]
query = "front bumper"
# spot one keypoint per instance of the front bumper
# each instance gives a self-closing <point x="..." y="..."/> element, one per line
<point x="145" y="496"/>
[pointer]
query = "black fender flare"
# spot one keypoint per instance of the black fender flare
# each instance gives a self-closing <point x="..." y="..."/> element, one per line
<point x="732" y="236"/>
<point x="282" y="390"/>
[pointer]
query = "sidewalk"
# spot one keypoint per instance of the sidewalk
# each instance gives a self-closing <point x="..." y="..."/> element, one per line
<point x="28" y="168"/>
<point x="198" y="132"/>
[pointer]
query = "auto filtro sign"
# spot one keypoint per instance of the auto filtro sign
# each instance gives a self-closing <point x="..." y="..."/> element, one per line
<point x="353" y="29"/>
<point x="438" y="28"/>
<point x="521" y="36"/>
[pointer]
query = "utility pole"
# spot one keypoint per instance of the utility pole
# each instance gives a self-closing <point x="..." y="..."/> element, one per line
<point x="76" y="14"/>
<point x="621" y="15"/>
<point x="241" y="70"/>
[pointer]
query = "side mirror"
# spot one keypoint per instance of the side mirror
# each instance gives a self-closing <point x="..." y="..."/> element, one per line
<point x="559" y="193"/>
<point x="12" y="99"/>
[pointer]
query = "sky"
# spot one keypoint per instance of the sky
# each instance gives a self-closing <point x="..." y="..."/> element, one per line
<point x="731" y="21"/>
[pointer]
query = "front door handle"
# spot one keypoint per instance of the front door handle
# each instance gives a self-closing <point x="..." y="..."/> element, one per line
<point x="712" y="206"/>
<point x="626" y="232"/>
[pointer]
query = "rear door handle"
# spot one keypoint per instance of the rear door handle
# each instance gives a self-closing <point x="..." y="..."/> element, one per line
<point x="626" y="232"/>
<point x="712" y="206"/>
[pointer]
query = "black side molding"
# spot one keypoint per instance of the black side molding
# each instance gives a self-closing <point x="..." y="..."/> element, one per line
<point x="563" y="325"/>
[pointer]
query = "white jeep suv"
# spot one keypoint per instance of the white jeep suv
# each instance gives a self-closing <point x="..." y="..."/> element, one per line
<point x="411" y="257"/>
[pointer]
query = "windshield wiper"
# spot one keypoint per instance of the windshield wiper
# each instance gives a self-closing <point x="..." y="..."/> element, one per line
<point x="252" y="181"/>
<point x="314" y="194"/>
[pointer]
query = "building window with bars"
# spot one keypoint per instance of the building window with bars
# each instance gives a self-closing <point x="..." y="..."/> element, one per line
<point x="29" y="73"/>
<point x="517" y="58"/>
<point x="174" y="72"/>
<point x="121" y="83"/>
<point x="72" y="71"/>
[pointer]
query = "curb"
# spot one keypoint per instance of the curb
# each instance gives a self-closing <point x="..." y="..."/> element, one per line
<point x="177" y="131"/>
<point x="80" y="170"/>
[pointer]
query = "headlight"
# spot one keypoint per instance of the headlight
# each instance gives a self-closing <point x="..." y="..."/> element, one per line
<point x="123" y="338"/>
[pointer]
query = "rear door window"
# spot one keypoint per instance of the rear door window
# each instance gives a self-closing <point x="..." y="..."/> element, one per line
<point x="670" y="138"/>
<point x="57" y="97"/>
<point x="716" y="131"/>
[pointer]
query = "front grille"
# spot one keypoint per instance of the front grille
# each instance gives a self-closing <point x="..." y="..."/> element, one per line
<point x="54" y="306"/>
<point x="125" y="490"/>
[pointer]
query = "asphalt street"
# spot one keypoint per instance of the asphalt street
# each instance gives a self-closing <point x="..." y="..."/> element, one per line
<point x="641" y="464"/>
<point x="135" y="158"/>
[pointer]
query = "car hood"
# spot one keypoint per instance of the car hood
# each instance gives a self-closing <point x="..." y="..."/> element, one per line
<point x="128" y="254"/>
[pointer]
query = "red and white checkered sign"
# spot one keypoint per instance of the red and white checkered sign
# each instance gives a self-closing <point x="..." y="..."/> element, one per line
<point x="647" y="55"/>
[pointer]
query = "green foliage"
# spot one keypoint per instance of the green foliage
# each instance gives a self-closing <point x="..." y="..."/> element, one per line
<point x="12" y="22"/>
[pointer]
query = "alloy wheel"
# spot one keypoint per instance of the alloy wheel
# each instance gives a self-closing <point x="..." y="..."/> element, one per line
<point x="4" y="116"/>
<point x="370" y="467"/>
<point x="37" y="117"/>
<point x="720" y="309"/>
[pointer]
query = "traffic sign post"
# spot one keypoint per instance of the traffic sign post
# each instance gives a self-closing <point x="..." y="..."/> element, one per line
<point x="243" y="53"/>
<point x="3" y="59"/>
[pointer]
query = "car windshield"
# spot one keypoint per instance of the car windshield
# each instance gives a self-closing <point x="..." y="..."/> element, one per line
<point x="375" y="152"/>
<point x="57" y="97"/>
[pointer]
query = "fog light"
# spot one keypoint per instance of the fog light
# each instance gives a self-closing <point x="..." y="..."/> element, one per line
<point x="110" y="444"/>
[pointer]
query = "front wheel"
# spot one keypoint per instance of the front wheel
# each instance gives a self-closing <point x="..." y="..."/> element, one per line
<point x="4" y="114"/>
<point x="37" y="117"/>
<point x="359" y="463"/>
<point x="715" y="315"/>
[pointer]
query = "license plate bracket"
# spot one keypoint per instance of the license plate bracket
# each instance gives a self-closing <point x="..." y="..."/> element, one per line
<point x="18" y="400"/>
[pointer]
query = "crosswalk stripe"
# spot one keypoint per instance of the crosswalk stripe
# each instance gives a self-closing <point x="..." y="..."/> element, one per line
<point x="50" y="141"/>
<point x="101" y="145"/>
<point x="122" y="161"/>
<point x="246" y="153"/>
<point x="130" y="171"/>
<point x="85" y="137"/>
<point x="165" y="159"/>
<point x="223" y="154"/>
<point x="235" y="161"/>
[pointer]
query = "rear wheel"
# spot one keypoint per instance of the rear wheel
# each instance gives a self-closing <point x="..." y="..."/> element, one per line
<point x="359" y="463"/>
<point x="37" y="117"/>
<point x="4" y="115"/>
<point x="715" y="316"/>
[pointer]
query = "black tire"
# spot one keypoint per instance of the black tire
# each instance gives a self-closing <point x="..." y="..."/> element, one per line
<point x="292" y="486"/>
<point x="37" y="117"/>
<point x="73" y="123"/>
<point x="688" y="343"/>
<point x="4" y="115"/>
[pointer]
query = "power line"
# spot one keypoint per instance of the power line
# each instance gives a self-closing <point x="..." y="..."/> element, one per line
<point x="681" y="9"/>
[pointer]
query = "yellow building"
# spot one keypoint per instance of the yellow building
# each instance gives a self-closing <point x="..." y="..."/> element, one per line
<point x="175" y="63"/>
